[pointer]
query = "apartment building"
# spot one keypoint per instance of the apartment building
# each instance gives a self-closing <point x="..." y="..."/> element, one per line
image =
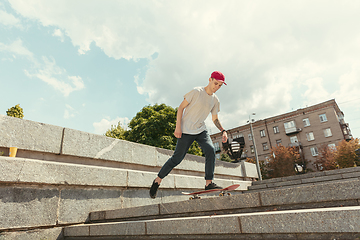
<point x="306" y="128"/>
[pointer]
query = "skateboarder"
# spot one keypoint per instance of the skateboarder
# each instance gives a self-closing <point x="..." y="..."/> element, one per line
<point x="190" y="127"/>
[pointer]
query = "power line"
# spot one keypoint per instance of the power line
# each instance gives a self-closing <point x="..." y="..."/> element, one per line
<point x="350" y="101"/>
<point x="352" y="119"/>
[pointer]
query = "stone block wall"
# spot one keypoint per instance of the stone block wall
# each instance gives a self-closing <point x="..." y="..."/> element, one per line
<point x="60" y="175"/>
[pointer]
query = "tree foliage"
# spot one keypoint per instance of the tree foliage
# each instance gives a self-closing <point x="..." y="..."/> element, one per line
<point x="154" y="126"/>
<point x="345" y="154"/>
<point x="116" y="132"/>
<point x="282" y="161"/>
<point x="16" y="111"/>
<point x="225" y="157"/>
<point x="263" y="167"/>
<point x="326" y="158"/>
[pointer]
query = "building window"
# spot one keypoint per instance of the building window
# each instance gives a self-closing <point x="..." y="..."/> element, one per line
<point x="265" y="146"/>
<point x="289" y="125"/>
<point x="306" y="122"/>
<point x="250" y="137"/>
<point x="332" y="146"/>
<point x="238" y="135"/>
<point x="327" y="132"/>
<point x="310" y="136"/>
<point x="276" y="129"/>
<point x="294" y="139"/>
<point x="252" y="149"/>
<point x="262" y="133"/>
<point x="217" y="146"/>
<point x="323" y="118"/>
<point x="278" y="142"/>
<point x="314" y="151"/>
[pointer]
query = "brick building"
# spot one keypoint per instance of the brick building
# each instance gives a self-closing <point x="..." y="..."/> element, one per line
<point x="306" y="128"/>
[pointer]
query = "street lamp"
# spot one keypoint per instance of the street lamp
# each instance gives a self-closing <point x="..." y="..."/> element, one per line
<point x="256" y="155"/>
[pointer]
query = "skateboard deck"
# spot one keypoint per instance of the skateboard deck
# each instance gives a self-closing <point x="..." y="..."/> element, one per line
<point x="223" y="192"/>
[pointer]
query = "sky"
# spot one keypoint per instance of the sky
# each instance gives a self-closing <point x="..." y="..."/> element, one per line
<point x="89" y="64"/>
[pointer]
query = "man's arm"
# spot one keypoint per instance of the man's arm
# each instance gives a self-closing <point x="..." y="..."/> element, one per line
<point x="178" y="131"/>
<point x="218" y="125"/>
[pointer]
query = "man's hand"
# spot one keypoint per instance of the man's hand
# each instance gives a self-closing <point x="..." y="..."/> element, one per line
<point x="224" y="137"/>
<point x="178" y="132"/>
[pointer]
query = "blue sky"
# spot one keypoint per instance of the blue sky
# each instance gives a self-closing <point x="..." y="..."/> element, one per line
<point x="89" y="64"/>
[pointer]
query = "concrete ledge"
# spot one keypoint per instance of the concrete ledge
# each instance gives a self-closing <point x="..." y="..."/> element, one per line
<point x="27" y="207"/>
<point x="22" y="170"/>
<point x="48" y="140"/>
<point x="29" y="135"/>
<point x="325" y="176"/>
<point x="42" y="193"/>
<point x="38" y="234"/>
<point x="319" y="195"/>
<point x="83" y="144"/>
<point x="342" y="219"/>
<point x="309" y="221"/>
<point x="325" y="192"/>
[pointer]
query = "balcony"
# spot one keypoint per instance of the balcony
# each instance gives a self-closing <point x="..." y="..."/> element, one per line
<point x="346" y="131"/>
<point x="292" y="130"/>
<point x="295" y="144"/>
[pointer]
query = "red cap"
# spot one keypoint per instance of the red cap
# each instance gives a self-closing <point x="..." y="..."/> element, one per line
<point x="218" y="76"/>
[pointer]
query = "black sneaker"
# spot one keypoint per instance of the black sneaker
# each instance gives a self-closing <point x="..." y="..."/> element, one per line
<point x="212" y="186"/>
<point x="153" y="189"/>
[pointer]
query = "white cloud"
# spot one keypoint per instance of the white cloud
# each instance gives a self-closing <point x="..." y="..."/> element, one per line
<point x="44" y="69"/>
<point x="69" y="112"/>
<point x="273" y="53"/>
<point x="16" y="48"/>
<point x="316" y="92"/>
<point x="106" y="123"/>
<point x="9" y="19"/>
<point x="56" y="76"/>
<point x="349" y="84"/>
<point x="59" y="33"/>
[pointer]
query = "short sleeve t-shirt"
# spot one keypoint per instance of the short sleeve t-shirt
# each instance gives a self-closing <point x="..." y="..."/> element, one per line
<point x="195" y="114"/>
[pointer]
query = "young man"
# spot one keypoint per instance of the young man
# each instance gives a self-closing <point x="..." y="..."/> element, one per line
<point x="190" y="127"/>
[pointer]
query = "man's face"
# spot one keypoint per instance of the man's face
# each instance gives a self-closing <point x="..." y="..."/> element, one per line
<point x="215" y="85"/>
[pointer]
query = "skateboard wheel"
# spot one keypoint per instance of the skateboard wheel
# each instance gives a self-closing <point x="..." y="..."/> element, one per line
<point x="221" y="194"/>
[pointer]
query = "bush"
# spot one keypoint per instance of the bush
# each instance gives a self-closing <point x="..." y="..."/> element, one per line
<point x="16" y="111"/>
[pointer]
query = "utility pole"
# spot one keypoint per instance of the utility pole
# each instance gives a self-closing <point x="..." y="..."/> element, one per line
<point x="256" y="155"/>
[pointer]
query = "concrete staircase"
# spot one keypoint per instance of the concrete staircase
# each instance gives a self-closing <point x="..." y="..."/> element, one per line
<point x="324" y="205"/>
<point x="59" y="175"/>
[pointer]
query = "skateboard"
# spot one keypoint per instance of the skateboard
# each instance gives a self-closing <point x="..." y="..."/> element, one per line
<point x="223" y="192"/>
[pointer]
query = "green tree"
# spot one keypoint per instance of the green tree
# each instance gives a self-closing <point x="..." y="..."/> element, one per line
<point x="225" y="157"/>
<point x="154" y="126"/>
<point x="16" y="111"/>
<point x="116" y="132"/>
<point x="345" y="154"/>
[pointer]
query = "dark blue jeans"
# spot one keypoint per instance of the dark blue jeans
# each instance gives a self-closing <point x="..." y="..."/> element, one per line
<point x="182" y="146"/>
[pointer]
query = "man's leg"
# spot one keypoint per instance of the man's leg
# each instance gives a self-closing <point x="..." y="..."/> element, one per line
<point x="207" y="146"/>
<point x="182" y="146"/>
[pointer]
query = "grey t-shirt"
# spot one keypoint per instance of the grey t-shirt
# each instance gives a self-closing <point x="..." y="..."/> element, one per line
<point x="195" y="114"/>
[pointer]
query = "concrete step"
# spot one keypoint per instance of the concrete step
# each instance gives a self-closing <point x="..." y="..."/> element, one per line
<point x="315" y="177"/>
<point x="320" y="195"/>
<point x="323" y="223"/>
